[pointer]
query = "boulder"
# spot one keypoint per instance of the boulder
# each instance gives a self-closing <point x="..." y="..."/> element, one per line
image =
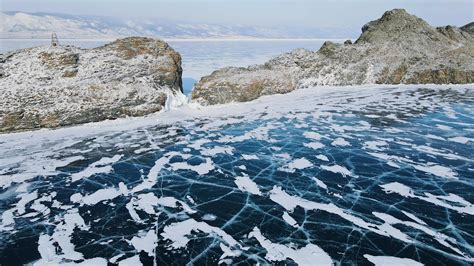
<point x="47" y="87"/>
<point x="396" y="48"/>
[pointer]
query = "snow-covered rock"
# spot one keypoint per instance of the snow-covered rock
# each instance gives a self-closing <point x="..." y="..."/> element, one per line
<point x="397" y="48"/>
<point x="54" y="86"/>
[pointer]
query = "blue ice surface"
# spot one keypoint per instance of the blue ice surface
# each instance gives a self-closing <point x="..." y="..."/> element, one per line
<point x="275" y="142"/>
<point x="188" y="85"/>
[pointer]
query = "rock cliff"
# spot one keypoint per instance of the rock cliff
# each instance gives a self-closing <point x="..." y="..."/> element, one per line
<point x="397" y="48"/>
<point x="47" y="87"/>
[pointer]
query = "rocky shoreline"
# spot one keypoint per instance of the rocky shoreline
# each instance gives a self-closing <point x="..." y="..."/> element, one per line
<point x="398" y="48"/>
<point x="48" y="87"/>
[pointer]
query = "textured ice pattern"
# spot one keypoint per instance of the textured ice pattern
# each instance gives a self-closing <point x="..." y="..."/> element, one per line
<point x="317" y="177"/>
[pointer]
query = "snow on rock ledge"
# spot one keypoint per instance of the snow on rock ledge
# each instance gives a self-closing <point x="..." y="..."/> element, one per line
<point x="397" y="48"/>
<point x="47" y="87"/>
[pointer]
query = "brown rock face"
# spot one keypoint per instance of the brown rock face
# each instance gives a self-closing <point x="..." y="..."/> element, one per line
<point x="165" y="74"/>
<point x="443" y="76"/>
<point x="221" y="90"/>
<point x="396" y="48"/>
<point x="47" y="87"/>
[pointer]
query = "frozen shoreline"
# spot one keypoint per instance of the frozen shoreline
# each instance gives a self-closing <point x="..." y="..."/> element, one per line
<point x="183" y="111"/>
<point x="144" y="168"/>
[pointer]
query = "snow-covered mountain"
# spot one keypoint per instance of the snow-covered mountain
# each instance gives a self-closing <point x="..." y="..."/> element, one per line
<point x="41" y="25"/>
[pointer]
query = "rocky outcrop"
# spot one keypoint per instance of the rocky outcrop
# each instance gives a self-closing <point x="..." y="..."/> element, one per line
<point x="468" y="28"/>
<point x="47" y="87"/>
<point x="397" y="48"/>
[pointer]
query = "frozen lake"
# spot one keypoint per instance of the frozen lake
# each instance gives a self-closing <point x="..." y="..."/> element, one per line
<point x="317" y="176"/>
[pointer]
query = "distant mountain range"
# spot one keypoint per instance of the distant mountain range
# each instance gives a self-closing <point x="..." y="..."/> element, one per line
<point x="41" y="25"/>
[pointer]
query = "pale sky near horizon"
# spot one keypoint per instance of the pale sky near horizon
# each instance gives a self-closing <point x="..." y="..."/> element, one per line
<point x="308" y="13"/>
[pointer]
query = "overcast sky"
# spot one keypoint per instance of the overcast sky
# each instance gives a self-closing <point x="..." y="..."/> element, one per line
<point x="312" y="13"/>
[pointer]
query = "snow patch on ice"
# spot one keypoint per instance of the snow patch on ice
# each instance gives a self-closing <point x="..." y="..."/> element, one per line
<point x="103" y="166"/>
<point x="177" y="233"/>
<point x="337" y="169"/>
<point x="340" y="142"/>
<point x="249" y="157"/>
<point x="320" y="183"/>
<point x="132" y="261"/>
<point x="245" y="184"/>
<point x="307" y="255"/>
<point x="391" y="261"/>
<point x="297" y="164"/>
<point x="314" y="145"/>
<point x="201" y="169"/>
<point x="461" y="205"/>
<point x="377" y="145"/>
<point x="218" y="150"/>
<point x="462" y="140"/>
<point x="322" y="157"/>
<point x="437" y="170"/>
<point x="145" y="242"/>
<point x="312" y="135"/>
<point x="290" y="220"/>
<point x="385" y="229"/>
<point x="96" y="197"/>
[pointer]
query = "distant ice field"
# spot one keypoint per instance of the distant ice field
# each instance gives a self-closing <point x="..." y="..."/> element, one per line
<point x="352" y="175"/>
